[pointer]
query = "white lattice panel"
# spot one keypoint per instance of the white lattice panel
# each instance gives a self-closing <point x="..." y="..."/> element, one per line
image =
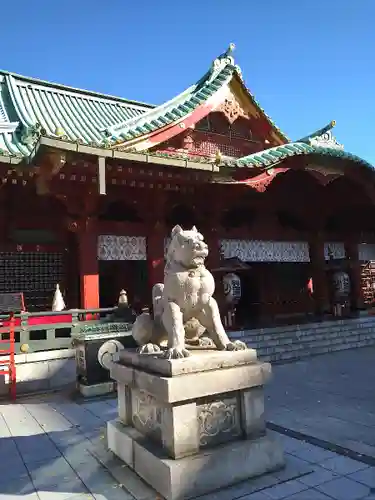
<point x="111" y="247"/>
<point x="334" y="250"/>
<point x="366" y="251"/>
<point x="265" y="251"/>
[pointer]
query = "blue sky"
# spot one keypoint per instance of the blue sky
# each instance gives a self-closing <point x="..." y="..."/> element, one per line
<point x="306" y="62"/>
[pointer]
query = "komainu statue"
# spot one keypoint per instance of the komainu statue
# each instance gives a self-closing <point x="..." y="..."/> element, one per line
<point x="184" y="310"/>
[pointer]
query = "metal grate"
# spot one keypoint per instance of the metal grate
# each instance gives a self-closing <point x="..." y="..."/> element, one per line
<point x="35" y="274"/>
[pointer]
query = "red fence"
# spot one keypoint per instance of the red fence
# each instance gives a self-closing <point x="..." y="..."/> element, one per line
<point x="7" y="362"/>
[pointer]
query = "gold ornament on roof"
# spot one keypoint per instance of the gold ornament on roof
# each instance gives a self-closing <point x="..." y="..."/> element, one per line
<point x="59" y="132"/>
<point x="218" y="157"/>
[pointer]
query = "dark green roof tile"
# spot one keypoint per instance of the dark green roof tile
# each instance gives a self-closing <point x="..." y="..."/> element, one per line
<point x="141" y="130"/>
<point x="177" y="112"/>
<point x="149" y="127"/>
<point x="216" y="84"/>
<point x="206" y="91"/>
<point x="190" y="105"/>
<point x="200" y="95"/>
<point x="195" y="101"/>
<point x="263" y="158"/>
<point x="183" y="108"/>
<point x="90" y="117"/>
<point x="169" y="117"/>
<point x="164" y="120"/>
<point x="80" y="115"/>
<point x="276" y="154"/>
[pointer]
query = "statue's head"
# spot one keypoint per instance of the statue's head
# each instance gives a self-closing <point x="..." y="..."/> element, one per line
<point x="187" y="247"/>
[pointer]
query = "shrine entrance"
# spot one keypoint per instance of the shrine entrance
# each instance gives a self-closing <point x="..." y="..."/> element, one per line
<point x="248" y="309"/>
<point x="115" y="275"/>
<point x="287" y="291"/>
<point x="122" y="265"/>
<point x="276" y="287"/>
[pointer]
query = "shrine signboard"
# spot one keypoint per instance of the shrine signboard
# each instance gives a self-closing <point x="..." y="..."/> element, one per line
<point x="11" y="302"/>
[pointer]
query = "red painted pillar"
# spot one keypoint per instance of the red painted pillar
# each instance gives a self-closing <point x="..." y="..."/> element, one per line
<point x="155" y="254"/>
<point x="88" y="265"/>
<point x="319" y="276"/>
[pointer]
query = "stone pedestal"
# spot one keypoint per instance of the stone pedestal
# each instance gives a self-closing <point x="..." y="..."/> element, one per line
<point x="93" y="379"/>
<point x="193" y="425"/>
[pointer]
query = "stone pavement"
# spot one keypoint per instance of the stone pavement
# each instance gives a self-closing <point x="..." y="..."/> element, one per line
<point x="53" y="448"/>
<point x="330" y="398"/>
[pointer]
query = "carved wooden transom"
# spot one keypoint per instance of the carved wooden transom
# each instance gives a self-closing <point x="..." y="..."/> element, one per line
<point x="231" y="108"/>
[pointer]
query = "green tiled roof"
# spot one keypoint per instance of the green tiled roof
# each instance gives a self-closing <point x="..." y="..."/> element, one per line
<point x="29" y="108"/>
<point x="182" y="105"/>
<point x="320" y="142"/>
<point x="271" y="157"/>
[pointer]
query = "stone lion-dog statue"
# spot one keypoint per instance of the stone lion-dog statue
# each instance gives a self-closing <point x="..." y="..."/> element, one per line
<point x="184" y="310"/>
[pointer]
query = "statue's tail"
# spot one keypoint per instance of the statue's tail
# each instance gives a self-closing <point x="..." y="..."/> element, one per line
<point x="142" y="329"/>
<point x="157" y="299"/>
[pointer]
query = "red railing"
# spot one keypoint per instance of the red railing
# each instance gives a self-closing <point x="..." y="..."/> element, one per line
<point x="7" y="365"/>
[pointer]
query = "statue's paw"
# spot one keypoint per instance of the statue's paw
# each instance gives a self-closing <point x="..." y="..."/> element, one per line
<point x="149" y="349"/>
<point x="206" y="342"/>
<point x="236" y="345"/>
<point x="176" y="353"/>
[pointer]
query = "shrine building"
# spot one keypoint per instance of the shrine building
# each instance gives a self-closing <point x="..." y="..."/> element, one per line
<point x="91" y="185"/>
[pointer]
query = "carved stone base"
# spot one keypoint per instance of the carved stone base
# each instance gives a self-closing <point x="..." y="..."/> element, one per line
<point x="90" y="391"/>
<point x="192" y="425"/>
<point x="193" y="475"/>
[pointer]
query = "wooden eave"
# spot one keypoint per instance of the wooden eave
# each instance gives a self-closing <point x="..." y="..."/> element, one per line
<point x="45" y="144"/>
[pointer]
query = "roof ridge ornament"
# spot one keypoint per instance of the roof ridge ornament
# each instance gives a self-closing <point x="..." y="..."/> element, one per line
<point x="228" y="53"/>
<point x="30" y="135"/>
<point x="224" y="59"/>
<point x="8" y="127"/>
<point x="323" y="138"/>
<point x="326" y="140"/>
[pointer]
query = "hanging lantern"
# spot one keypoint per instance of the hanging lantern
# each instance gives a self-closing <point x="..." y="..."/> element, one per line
<point x="341" y="283"/>
<point x="232" y="288"/>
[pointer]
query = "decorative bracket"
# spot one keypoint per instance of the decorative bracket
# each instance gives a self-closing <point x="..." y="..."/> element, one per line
<point x="262" y="181"/>
<point x="53" y="162"/>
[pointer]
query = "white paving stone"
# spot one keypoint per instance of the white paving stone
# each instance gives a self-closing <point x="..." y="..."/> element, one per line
<point x="343" y="488"/>
<point x="343" y="465"/>
<point x="364" y="476"/>
<point x="63" y="445"/>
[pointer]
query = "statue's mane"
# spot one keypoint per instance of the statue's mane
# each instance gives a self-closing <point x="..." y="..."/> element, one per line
<point x="169" y="258"/>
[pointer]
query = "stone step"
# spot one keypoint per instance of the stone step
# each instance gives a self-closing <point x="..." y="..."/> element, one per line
<point x="285" y="341"/>
<point x="296" y="355"/>
<point x="289" y="343"/>
<point x="329" y="325"/>
<point x="282" y="341"/>
<point x="313" y="340"/>
<point x="323" y="344"/>
<point x="299" y="336"/>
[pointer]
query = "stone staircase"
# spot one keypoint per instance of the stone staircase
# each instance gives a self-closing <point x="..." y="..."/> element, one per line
<point x="289" y="343"/>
